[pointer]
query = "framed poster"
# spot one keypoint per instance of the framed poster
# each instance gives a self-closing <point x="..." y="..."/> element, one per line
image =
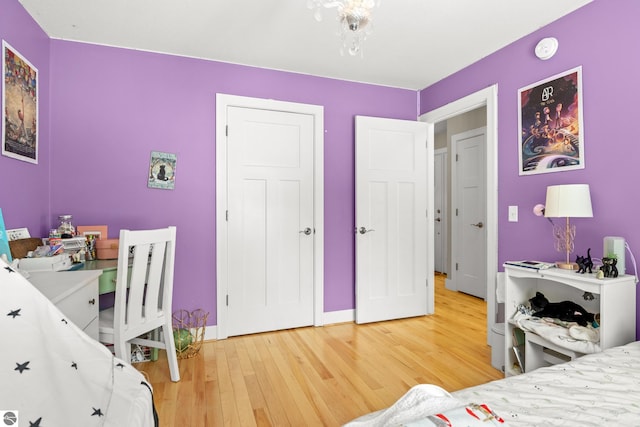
<point x="162" y="170"/>
<point x="551" y="135"/>
<point x="20" y="106"/>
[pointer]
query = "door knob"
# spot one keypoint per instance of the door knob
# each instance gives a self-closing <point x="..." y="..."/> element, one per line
<point x="479" y="225"/>
<point x="363" y="230"/>
<point x="306" y="231"/>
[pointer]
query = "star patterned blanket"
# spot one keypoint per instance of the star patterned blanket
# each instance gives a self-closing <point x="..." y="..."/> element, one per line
<point x="53" y="374"/>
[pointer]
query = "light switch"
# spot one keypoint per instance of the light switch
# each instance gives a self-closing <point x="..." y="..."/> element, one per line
<point x="513" y="214"/>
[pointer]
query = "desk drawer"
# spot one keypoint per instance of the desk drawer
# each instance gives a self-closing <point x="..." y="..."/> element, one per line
<point x="81" y="307"/>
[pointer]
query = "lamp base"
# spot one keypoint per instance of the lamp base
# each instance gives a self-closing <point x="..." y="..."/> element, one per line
<point x="566" y="265"/>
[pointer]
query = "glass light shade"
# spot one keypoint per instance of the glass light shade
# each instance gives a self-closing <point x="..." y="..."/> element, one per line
<point x="354" y="18"/>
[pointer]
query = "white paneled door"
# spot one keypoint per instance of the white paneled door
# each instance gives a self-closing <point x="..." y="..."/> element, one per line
<point x="270" y="220"/>
<point x="392" y="232"/>
<point x="471" y="218"/>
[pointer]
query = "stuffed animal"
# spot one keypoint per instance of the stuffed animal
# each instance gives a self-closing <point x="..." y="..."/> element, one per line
<point x="567" y="311"/>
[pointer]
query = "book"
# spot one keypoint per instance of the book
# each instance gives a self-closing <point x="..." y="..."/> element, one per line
<point x="518" y="337"/>
<point x="518" y="350"/>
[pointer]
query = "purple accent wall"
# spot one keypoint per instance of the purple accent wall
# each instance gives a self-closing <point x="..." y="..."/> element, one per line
<point x="111" y="107"/>
<point x="603" y="38"/>
<point x="24" y="189"/>
<point x="106" y="109"/>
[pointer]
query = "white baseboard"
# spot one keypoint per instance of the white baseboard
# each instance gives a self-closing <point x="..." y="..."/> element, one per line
<point x="211" y="333"/>
<point x="342" y="316"/>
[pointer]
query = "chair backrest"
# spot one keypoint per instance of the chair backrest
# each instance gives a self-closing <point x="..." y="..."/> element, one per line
<point x="144" y="284"/>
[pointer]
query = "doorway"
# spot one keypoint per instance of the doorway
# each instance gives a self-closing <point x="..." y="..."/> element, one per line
<point x="486" y="98"/>
<point x="269" y="211"/>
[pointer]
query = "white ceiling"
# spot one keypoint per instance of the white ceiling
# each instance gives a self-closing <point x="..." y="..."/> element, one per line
<point x="414" y="44"/>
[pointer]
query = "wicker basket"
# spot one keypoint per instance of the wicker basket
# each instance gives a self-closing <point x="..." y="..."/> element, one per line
<point x="188" y="332"/>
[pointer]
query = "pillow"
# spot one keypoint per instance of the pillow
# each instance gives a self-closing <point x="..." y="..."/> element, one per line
<point x="471" y="415"/>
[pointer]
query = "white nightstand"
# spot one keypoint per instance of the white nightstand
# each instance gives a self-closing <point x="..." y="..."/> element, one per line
<point x="75" y="293"/>
<point x="614" y="299"/>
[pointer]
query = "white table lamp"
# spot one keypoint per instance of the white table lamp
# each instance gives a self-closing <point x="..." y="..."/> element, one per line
<point x="570" y="200"/>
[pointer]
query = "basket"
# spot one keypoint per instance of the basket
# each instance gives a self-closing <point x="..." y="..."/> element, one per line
<point x="188" y="332"/>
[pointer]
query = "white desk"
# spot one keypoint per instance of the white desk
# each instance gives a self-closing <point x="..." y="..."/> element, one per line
<point x="75" y="293"/>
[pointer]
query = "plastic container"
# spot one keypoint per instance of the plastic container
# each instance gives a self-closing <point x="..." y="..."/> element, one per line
<point x="497" y="343"/>
<point x="107" y="248"/>
<point x="66" y="228"/>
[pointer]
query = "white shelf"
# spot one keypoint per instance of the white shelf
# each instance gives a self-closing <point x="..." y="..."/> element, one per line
<point x="614" y="299"/>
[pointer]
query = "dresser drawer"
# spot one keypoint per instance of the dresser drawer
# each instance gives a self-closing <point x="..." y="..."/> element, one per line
<point x="81" y="307"/>
<point x="75" y="293"/>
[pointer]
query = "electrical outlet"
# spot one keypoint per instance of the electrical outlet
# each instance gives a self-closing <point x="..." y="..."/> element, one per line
<point x="513" y="214"/>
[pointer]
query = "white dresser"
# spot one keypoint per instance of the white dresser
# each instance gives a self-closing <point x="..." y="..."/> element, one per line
<point x="75" y="293"/>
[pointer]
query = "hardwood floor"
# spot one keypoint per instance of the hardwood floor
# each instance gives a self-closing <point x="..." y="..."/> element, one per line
<point x="328" y="375"/>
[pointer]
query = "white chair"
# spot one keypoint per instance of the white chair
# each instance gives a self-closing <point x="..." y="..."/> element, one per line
<point x="143" y="295"/>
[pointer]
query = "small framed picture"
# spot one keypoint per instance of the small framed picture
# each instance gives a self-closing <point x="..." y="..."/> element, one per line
<point x="550" y="130"/>
<point x="97" y="231"/>
<point x="162" y="170"/>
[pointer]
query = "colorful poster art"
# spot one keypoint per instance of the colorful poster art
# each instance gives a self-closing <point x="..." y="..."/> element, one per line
<point x="551" y="135"/>
<point x="20" y="106"/>
<point x="162" y="170"/>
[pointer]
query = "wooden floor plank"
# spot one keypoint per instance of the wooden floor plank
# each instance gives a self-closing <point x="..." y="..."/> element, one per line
<point x="325" y="376"/>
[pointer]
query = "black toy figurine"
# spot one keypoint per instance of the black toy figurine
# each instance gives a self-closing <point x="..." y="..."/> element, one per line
<point x="609" y="267"/>
<point x="584" y="263"/>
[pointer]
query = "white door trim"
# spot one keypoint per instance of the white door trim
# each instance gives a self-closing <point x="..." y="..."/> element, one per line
<point x="444" y="220"/>
<point x="486" y="97"/>
<point x="224" y="101"/>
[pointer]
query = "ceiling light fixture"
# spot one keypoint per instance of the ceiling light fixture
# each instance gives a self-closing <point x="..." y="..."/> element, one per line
<point x="354" y="17"/>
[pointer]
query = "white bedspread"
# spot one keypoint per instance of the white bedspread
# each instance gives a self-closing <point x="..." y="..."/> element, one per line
<point x="601" y="389"/>
<point x="596" y="390"/>
<point x="53" y="374"/>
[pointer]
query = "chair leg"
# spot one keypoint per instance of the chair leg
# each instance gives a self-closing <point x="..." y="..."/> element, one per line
<point x="172" y="358"/>
<point x="122" y="350"/>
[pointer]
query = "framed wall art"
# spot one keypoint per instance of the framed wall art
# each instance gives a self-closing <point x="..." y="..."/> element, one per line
<point x="551" y="134"/>
<point x="20" y="106"/>
<point x="162" y="170"/>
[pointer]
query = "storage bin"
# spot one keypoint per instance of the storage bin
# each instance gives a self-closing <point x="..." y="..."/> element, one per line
<point x="497" y="343"/>
<point x="107" y="248"/>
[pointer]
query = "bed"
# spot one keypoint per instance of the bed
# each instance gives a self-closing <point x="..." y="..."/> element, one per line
<point x="600" y="389"/>
<point x="53" y="374"/>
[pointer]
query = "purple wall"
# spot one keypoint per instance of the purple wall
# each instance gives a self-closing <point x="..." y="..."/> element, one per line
<point x="108" y="108"/>
<point x="111" y="107"/>
<point x="24" y="193"/>
<point x="603" y="38"/>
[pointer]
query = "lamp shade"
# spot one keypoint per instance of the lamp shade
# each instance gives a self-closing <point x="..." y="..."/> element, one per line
<point x="570" y="200"/>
